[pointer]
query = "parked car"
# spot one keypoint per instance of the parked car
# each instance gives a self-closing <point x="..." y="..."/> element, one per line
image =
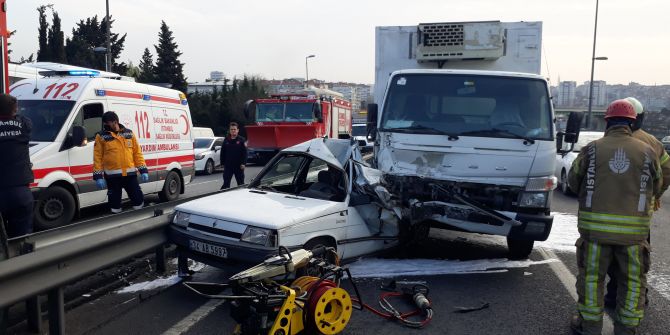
<point x="207" y="156"/>
<point x="202" y="132"/>
<point x="360" y="133"/>
<point x="315" y="193"/>
<point x="564" y="161"/>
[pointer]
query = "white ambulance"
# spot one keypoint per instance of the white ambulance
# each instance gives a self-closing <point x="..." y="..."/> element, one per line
<point x="66" y="110"/>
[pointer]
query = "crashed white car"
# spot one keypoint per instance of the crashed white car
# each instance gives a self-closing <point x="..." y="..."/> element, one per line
<point x="564" y="161"/>
<point x="315" y="193"/>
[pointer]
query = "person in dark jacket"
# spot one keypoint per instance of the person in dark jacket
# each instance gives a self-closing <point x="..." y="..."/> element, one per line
<point x="233" y="156"/>
<point x="16" y="199"/>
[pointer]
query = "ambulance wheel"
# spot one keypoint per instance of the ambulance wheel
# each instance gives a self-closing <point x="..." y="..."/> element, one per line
<point x="171" y="187"/>
<point x="55" y="207"/>
<point x="519" y="249"/>
<point x="209" y="167"/>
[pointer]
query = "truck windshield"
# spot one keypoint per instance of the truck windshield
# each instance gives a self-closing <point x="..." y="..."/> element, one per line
<point x="290" y="112"/>
<point x="47" y="117"/>
<point x="359" y="130"/>
<point x="468" y="105"/>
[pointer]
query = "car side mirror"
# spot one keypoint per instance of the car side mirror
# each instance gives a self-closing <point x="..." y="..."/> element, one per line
<point x="318" y="113"/>
<point x="217" y="148"/>
<point x="372" y="122"/>
<point x="571" y="134"/>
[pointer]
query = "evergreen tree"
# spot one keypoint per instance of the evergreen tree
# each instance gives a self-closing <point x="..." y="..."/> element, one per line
<point x="146" y="68"/>
<point x="168" y="67"/>
<point x="89" y="34"/>
<point x="56" y="40"/>
<point x="132" y="71"/>
<point x="43" y="53"/>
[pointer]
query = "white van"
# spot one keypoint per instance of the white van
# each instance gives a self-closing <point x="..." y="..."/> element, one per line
<point x="66" y="110"/>
<point x="202" y="132"/>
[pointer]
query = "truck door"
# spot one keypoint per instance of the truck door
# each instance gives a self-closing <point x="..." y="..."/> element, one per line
<point x="89" y="116"/>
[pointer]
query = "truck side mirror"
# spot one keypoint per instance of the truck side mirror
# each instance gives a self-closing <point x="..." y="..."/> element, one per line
<point x="247" y="110"/>
<point x="571" y="134"/>
<point x="372" y="121"/>
<point x="318" y="113"/>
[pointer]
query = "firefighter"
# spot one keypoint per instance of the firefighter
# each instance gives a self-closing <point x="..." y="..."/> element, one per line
<point x="618" y="178"/>
<point x="233" y="156"/>
<point x="16" y="199"/>
<point x="664" y="159"/>
<point x="117" y="160"/>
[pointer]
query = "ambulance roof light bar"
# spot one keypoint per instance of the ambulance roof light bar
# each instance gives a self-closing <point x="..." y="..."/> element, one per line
<point x="70" y="73"/>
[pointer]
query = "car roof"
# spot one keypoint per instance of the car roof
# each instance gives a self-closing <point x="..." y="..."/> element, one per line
<point x="332" y="151"/>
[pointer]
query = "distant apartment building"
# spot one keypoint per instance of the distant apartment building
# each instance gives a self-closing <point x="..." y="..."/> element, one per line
<point x="216" y="76"/>
<point x="206" y="87"/>
<point x="599" y="92"/>
<point x="284" y="86"/>
<point x="566" y="93"/>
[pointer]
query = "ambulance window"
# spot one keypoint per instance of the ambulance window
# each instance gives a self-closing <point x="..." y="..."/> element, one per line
<point x="90" y="117"/>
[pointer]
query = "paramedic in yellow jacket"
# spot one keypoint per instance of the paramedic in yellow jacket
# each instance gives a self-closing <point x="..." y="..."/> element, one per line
<point x="618" y="178"/>
<point x="117" y="162"/>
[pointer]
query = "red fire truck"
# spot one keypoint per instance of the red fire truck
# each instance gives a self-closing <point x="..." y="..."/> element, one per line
<point x="284" y="120"/>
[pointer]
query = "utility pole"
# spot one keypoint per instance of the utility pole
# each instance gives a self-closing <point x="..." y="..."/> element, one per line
<point x="108" y="55"/>
<point x="307" y="71"/>
<point x="593" y="62"/>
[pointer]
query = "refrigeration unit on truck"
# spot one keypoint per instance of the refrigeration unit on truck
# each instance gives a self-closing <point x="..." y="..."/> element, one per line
<point x="463" y="128"/>
<point x="284" y="120"/>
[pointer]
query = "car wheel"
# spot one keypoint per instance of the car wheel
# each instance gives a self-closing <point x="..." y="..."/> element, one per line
<point x="171" y="187"/>
<point x="310" y="245"/>
<point x="55" y="207"/>
<point x="565" y="188"/>
<point x="209" y="167"/>
<point x="519" y="249"/>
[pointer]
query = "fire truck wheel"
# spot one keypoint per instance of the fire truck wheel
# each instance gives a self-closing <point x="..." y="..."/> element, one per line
<point x="171" y="187"/>
<point x="55" y="207"/>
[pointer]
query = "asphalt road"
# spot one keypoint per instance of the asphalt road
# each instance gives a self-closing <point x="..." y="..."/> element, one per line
<point x="527" y="297"/>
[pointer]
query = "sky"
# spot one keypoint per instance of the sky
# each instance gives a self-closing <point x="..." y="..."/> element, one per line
<point x="271" y="38"/>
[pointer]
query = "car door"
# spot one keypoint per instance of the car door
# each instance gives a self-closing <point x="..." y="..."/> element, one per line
<point x="216" y="148"/>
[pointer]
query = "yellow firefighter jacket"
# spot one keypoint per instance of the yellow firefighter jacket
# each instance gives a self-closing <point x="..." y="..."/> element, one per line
<point x="117" y="154"/>
<point x="617" y="177"/>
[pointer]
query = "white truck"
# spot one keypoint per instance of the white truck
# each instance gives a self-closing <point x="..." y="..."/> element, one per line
<point x="461" y="144"/>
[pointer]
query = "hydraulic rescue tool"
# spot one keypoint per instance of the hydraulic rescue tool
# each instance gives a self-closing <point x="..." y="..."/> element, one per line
<point x="270" y="298"/>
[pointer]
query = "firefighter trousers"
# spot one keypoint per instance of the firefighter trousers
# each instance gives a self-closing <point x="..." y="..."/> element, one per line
<point x="593" y="260"/>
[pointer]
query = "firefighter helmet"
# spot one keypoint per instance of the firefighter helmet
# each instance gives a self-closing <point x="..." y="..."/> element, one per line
<point x="636" y="104"/>
<point x="621" y="108"/>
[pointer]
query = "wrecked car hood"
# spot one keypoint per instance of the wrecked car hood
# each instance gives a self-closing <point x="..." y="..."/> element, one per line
<point x="501" y="161"/>
<point x="258" y="208"/>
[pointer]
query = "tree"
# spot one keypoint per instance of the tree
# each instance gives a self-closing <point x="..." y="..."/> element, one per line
<point x="56" y="40"/>
<point x="168" y="67"/>
<point x="146" y="68"/>
<point x="89" y="34"/>
<point x="132" y="71"/>
<point x="43" y="53"/>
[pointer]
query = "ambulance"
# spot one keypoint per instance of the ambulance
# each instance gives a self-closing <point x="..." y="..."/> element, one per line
<point x="66" y="109"/>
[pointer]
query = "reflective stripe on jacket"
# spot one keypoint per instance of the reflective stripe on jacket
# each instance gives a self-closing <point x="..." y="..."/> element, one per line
<point x="117" y="154"/>
<point x="663" y="156"/>
<point x="618" y="178"/>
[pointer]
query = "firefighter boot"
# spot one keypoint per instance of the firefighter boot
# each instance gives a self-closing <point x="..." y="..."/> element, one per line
<point x="581" y="327"/>
<point x="620" y="329"/>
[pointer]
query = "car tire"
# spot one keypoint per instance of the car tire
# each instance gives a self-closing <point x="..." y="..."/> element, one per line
<point x="55" y="207"/>
<point x="565" y="187"/>
<point x="518" y="248"/>
<point x="171" y="187"/>
<point x="209" y="167"/>
<point x="310" y="245"/>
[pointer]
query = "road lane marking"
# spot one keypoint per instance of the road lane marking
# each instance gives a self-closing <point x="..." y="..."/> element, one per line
<point x="190" y="320"/>
<point x="569" y="281"/>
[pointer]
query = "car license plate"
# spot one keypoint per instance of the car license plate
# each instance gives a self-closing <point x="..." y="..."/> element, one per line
<point x="208" y="249"/>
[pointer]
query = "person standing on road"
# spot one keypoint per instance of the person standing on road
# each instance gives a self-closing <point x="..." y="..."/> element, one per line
<point x="233" y="156"/>
<point x="117" y="160"/>
<point x="617" y="177"/>
<point x="16" y="174"/>
<point x="664" y="159"/>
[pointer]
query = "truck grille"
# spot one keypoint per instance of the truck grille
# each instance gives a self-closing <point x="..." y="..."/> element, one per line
<point x="214" y="231"/>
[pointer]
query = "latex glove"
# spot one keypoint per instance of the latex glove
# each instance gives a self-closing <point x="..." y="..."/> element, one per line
<point x="101" y="183"/>
<point x="144" y="177"/>
<point x="242" y="167"/>
<point x="657" y="204"/>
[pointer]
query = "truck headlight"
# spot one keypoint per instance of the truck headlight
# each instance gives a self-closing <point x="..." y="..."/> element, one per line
<point x="199" y="156"/>
<point x="181" y="219"/>
<point x="541" y="184"/>
<point x="533" y="199"/>
<point x="256" y="235"/>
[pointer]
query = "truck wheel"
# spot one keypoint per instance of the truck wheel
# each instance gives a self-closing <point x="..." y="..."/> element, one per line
<point x="209" y="167"/>
<point x="55" y="207"/>
<point x="565" y="188"/>
<point x="171" y="187"/>
<point x="519" y="249"/>
<point x="311" y="244"/>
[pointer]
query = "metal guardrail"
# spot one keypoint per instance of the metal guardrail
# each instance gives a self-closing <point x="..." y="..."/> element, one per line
<point x="44" y="262"/>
